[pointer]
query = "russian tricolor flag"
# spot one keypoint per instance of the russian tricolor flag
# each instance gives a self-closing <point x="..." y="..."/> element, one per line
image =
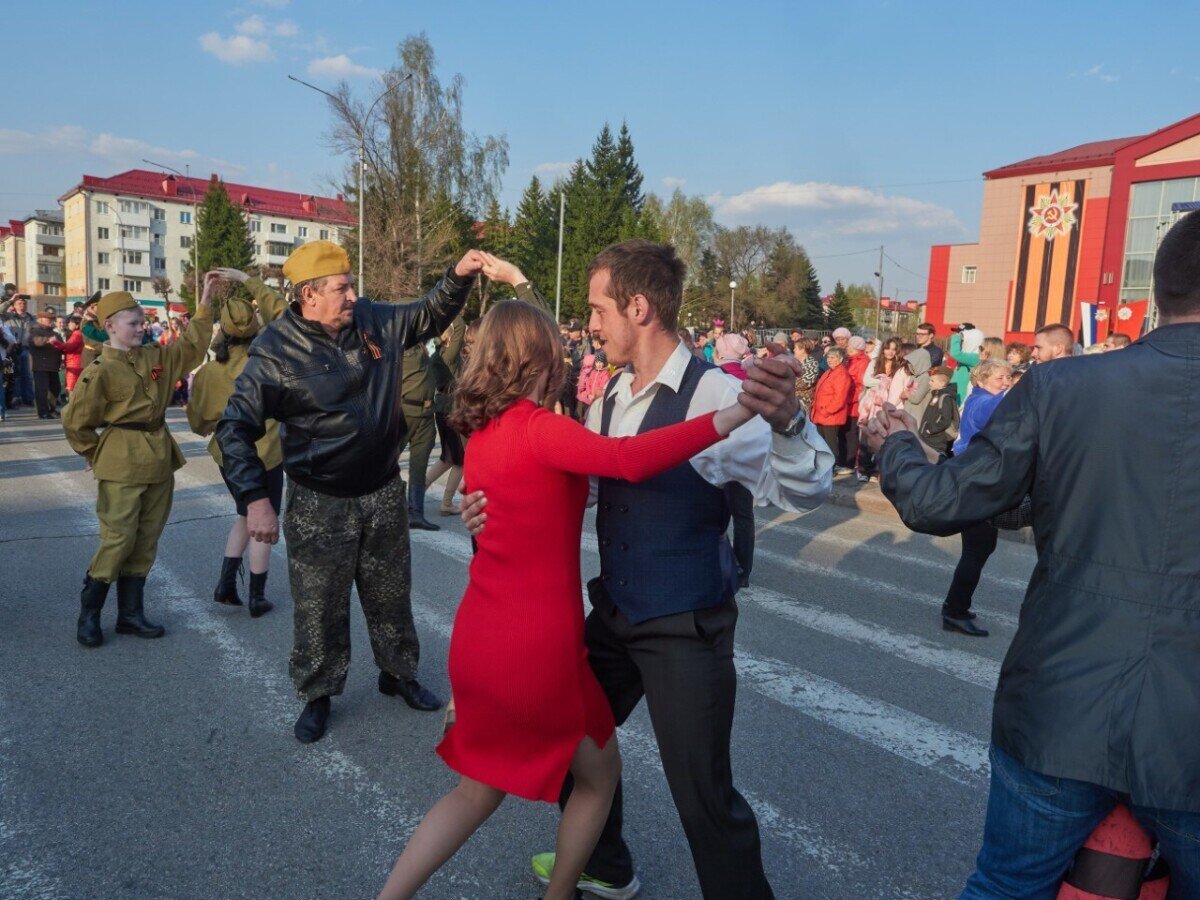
<point x="1088" y="325"/>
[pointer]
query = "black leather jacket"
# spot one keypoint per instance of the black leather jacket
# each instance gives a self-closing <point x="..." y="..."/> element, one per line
<point x="337" y="399"/>
<point x="1102" y="680"/>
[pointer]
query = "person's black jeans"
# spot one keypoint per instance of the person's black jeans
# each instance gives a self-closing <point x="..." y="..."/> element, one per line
<point x="978" y="543"/>
<point x="46" y="388"/>
<point x="831" y="434"/>
<point x="848" y="439"/>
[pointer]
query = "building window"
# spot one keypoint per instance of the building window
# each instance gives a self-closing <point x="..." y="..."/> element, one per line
<point x="132" y="285"/>
<point x="185" y="218"/>
<point x="156" y="240"/>
<point x="102" y="234"/>
<point x="302" y="231"/>
<point x="103" y="259"/>
<point x="135" y="232"/>
<point x="159" y="263"/>
<point x="324" y="234"/>
<point x="54" y="290"/>
<point x="258" y="249"/>
<point x="968" y="274"/>
<point x="133" y="206"/>
<point x="132" y="257"/>
<point x="1150" y="217"/>
<point x="185" y="242"/>
<point x="255" y="226"/>
<point x="277" y="228"/>
<point x="160" y="215"/>
<point x="183" y="265"/>
<point x="102" y="207"/>
<point x="103" y="284"/>
<point x="43" y="269"/>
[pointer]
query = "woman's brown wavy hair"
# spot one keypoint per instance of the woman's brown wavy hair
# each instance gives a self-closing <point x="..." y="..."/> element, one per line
<point x="516" y="346"/>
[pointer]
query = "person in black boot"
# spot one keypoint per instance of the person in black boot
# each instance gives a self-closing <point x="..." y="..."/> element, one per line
<point x="130" y="618"/>
<point x="313" y="721"/>
<point x="91" y="601"/>
<point x="211" y="388"/>
<point x="227" y="592"/>
<point x="417" y="396"/>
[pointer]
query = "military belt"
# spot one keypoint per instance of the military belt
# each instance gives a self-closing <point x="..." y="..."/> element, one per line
<point x="137" y="426"/>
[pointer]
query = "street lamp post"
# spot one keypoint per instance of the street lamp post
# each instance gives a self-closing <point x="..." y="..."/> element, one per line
<point x="732" y="324"/>
<point x="362" y="156"/>
<point x="195" y="225"/>
<point x="562" y="211"/>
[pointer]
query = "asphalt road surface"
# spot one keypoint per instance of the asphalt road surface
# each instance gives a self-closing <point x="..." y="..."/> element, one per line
<point x="167" y="768"/>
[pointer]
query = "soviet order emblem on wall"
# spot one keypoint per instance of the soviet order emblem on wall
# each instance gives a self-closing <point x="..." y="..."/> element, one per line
<point x="1052" y="216"/>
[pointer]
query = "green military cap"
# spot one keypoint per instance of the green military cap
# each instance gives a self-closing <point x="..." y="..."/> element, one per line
<point x="238" y="319"/>
<point x="111" y="304"/>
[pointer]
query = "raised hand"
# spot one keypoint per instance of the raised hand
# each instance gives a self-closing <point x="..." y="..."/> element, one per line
<point x="210" y="279"/>
<point x="502" y="270"/>
<point x="471" y="264"/>
<point x="770" y="390"/>
<point x="230" y="274"/>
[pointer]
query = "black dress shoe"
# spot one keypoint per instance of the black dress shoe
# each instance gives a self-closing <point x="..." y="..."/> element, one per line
<point x="964" y="626"/>
<point x="967" y="615"/>
<point x="313" y="721"/>
<point x="418" y="521"/>
<point x="409" y="691"/>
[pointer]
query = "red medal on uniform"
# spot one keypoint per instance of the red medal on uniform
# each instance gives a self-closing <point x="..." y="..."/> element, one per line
<point x="155" y="372"/>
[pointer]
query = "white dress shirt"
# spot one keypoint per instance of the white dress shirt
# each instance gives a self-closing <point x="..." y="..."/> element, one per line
<point x="793" y="473"/>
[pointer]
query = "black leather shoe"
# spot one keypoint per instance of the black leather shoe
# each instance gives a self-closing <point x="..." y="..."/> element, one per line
<point x="227" y="591"/>
<point x="313" y="721"/>
<point x="409" y="691"/>
<point x="418" y="521"/>
<point x="964" y="626"/>
<point x="91" y="601"/>
<point x="743" y="580"/>
<point x="130" y="617"/>
<point x="258" y="602"/>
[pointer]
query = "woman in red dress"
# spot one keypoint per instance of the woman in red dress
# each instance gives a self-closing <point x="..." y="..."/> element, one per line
<point x="529" y="710"/>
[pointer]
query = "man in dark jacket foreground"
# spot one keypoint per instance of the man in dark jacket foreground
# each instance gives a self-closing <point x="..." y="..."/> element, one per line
<point x="1099" y="696"/>
<point x="328" y="370"/>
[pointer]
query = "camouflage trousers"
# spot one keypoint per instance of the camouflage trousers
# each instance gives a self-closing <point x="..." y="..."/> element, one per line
<point x="336" y="542"/>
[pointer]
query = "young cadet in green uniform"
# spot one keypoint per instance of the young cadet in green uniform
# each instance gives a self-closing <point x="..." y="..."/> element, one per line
<point x="125" y="392"/>
<point x="417" y="392"/>
<point x="210" y="395"/>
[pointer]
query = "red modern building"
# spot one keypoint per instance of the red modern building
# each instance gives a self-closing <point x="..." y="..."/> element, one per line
<point x="1074" y="227"/>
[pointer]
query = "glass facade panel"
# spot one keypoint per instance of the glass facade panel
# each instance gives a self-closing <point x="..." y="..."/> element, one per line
<point x="1146" y="197"/>
<point x="1179" y="190"/>
<point x="1137" y="271"/>
<point x="1140" y="236"/>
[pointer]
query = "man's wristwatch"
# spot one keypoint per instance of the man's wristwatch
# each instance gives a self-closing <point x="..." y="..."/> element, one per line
<point x="795" y="426"/>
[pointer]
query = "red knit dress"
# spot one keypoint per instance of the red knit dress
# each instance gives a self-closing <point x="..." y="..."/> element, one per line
<point x="524" y="693"/>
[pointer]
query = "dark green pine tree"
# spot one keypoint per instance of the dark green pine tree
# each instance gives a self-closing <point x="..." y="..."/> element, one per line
<point x="533" y="240"/>
<point x="840" y="313"/>
<point x="814" y="313"/>
<point x="222" y="240"/>
<point x="496" y="236"/>
<point x="633" y="175"/>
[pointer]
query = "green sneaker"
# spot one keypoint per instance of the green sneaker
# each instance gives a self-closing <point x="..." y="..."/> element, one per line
<point x="543" y="865"/>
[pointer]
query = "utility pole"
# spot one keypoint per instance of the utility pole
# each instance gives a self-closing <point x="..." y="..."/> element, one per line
<point x="562" y="211"/>
<point x="879" y="303"/>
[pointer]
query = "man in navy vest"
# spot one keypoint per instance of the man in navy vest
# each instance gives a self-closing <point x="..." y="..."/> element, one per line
<point x="663" y="611"/>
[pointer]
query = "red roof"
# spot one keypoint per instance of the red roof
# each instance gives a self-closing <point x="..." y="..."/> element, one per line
<point x="14" y="226"/>
<point x="264" y="201"/>
<point x="1097" y="153"/>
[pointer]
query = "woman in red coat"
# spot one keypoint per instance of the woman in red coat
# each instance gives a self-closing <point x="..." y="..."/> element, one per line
<point x="72" y="349"/>
<point x="832" y="398"/>
<point x="528" y="707"/>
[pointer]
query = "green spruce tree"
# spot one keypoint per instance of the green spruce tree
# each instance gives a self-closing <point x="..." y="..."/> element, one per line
<point x="222" y="240"/>
<point x="534" y="236"/>
<point x="814" y="313"/>
<point x="840" y="313"/>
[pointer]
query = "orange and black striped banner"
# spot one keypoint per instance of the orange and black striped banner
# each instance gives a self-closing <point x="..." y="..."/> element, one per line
<point x="1044" y="286"/>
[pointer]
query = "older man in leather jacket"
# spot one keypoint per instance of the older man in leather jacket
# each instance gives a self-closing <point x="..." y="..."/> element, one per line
<point x="1098" y="701"/>
<point x="328" y="370"/>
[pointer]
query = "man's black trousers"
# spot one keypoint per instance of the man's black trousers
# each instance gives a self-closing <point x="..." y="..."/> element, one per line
<point x="46" y="388"/>
<point x="683" y="665"/>
<point x="978" y="543"/>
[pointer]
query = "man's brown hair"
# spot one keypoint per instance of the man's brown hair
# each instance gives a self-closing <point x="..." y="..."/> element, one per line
<point x="643" y="267"/>
<point x="1059" y="333"/>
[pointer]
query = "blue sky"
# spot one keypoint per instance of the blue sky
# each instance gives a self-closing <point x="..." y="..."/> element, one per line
<point x="853" y="123"/>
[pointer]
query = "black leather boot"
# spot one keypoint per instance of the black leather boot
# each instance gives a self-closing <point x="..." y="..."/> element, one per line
<point x="258" y="602"/>
<point x="313" y="721"/>
<point x="91" y="601"/>
<point x="130" y="618"/>
<point x="410" y="691"/>
<point x="227" y="591"/>
<point x="416" y="509"/>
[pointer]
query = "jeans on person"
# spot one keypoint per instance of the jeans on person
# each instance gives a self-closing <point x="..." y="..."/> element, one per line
<point x="978" y="544"/>
<point x="1036" y="823"/>
<point x="23" y="373"/>
<point x="46" y="390"/>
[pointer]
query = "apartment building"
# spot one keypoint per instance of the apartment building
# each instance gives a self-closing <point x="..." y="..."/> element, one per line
<point x="123" y="232"/>
<point x="42" y="269"/>
<point x="12" y="252"/>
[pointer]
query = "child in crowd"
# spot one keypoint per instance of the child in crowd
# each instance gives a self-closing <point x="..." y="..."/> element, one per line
<point x="939" y="426"/>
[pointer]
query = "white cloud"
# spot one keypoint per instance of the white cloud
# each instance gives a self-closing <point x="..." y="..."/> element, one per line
<point x="340" y="66"/>
<point x="835" y="208"/>
<point x="59" y="139"/>
<point x="254" y="26"/>
<point x="286" y="28"/>
<point x="672" y="182"/>
<point x="1098" y="72"/>
<point x="553" y="169"/>
<point x="237" y="48"/>
<point x="126" y="151"/>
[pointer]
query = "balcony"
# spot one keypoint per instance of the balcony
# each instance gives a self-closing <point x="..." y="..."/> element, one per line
<point x="51" y="240"/>
<point x="133" y="244"/>
<point x="140" y="220"/>
<point x="134" y="270"/>
<point x="50" y="269"/>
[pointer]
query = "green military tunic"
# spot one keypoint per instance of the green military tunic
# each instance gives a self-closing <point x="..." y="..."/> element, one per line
<point x="417" y="392"/>
<point x="134" y="457"/>
<point x="213" y="385"/>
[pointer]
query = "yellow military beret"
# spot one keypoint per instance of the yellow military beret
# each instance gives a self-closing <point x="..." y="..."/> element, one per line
<point x="111" y="304"/>
<point x="316" y="259"/>
<point x="238" y="319"/>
